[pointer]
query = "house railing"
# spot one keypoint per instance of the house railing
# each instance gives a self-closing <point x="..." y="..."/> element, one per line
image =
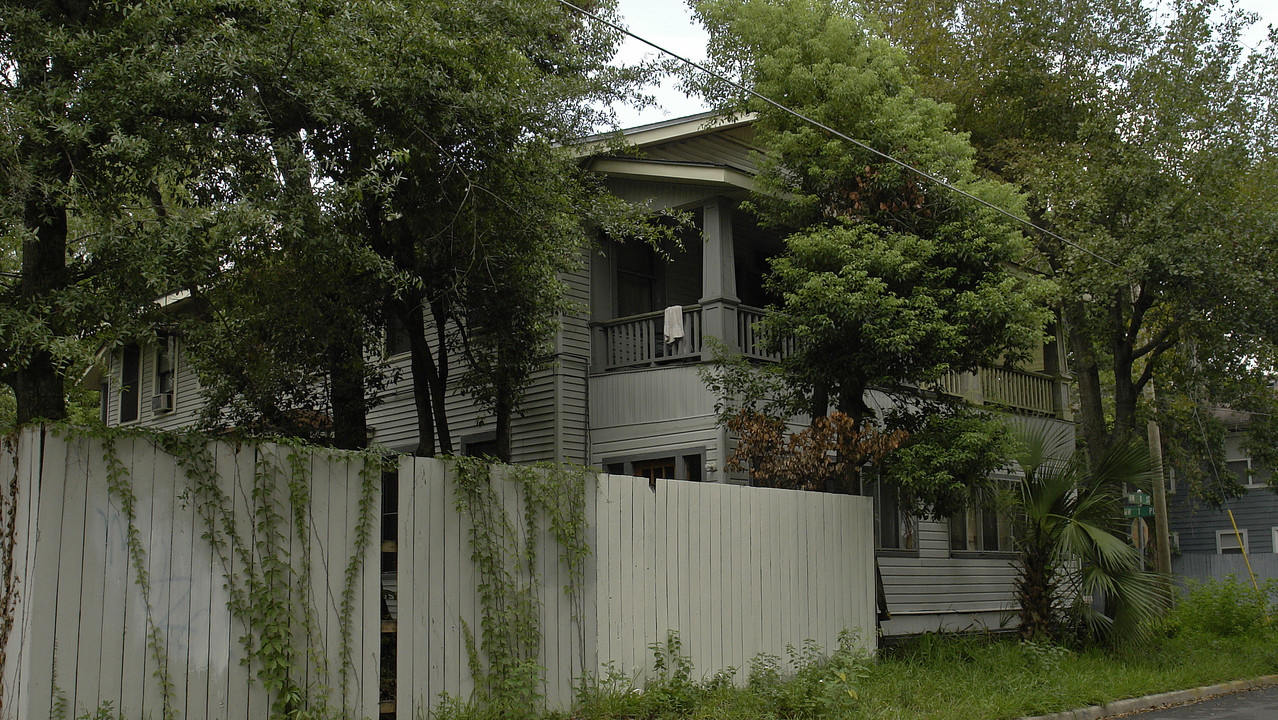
<point x="639" y="340"/>
<point x="750" y="340"/>
<point x="1019" y="390"/>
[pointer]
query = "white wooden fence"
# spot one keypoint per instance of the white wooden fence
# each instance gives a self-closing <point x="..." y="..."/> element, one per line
<point x="735" y="571"/>
<point x="80" y="619"/>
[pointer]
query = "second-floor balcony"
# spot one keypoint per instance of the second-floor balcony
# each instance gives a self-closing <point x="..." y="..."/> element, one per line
<point x="640" y="341"/>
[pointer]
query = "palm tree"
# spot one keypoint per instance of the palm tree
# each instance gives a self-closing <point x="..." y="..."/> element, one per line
<point x="1071" y="536"/>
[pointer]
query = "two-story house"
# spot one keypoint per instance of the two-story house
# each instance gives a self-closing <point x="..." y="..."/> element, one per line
<point x="623" y="394"/>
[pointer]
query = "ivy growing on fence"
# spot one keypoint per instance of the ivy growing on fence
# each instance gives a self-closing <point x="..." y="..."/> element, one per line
<point x="264" y="551"/>
<point x="509" y="581"/>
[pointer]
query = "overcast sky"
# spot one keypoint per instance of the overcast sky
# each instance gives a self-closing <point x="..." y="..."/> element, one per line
<point x="669" y="23"/>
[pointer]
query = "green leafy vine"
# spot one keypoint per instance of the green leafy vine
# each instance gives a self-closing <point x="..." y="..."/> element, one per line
<point x="267" y="591"/>
<point x="509" y="583"/>
<point x="120" y="487"/>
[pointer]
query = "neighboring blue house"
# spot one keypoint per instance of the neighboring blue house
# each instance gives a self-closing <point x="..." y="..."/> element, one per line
<point x="1204" y="540"/>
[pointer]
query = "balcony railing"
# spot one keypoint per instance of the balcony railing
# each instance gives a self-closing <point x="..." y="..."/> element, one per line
<point x="639" y="340"/>
<point x="750" y="342"/>
<point x="1019" y="390"/>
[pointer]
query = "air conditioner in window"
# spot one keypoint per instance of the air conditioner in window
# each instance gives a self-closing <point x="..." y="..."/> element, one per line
<point x="162" y="403"/>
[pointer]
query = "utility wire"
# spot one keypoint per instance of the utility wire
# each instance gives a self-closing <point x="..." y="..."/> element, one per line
<point x="921" y="173"/>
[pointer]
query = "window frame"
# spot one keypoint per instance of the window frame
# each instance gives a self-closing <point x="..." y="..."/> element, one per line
<point x="124" y="389"/>
<point x="685" y="460"/>
<point x="166" y="345"/>
<point x="1246" y="544"/>
<point x="974" y="543"/>
<point x="907" y="526"/>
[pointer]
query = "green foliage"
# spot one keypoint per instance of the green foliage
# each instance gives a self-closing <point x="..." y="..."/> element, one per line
<point x="1227" y="608"/>
<point x="951" y="451"/>
<point x="886" y="281"/>
<point x="1146" y="137"/>
<point x="1069" y="530"/>
<point x="503" y="663"/>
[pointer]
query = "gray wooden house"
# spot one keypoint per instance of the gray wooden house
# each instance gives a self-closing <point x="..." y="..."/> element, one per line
<point x="1206" y="541"/>
<point x="621" y="396"/>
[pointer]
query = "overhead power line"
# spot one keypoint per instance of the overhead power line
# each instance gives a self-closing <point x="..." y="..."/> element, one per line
<point x="842" y="136"/>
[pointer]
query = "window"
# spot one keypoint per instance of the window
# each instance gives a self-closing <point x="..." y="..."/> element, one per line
<point x="676" y="467"/>
<point x="638" y="289"/>
<point x="1175" y="541"/>
<point x="660" y="469"/>
<point x="164" y="379"/>
<point x="1274" y="547"/>
<point x="396" y="336"/>
<point x="1227" y="542"/>
<point x="980" y="529"/>
<point x="894" y="529"/>
<point x="130" y="383"/>
<point x="481" y="449"/>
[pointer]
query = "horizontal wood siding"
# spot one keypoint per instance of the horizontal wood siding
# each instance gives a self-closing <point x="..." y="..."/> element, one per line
<point x="939" y="590"/>
<point x="187" y="399"/>
<point x="1196" y="523"/>
<point x="83" y="617"/>
<point x="727" y="149"/>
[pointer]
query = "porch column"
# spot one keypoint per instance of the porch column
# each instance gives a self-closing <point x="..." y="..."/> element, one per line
<point x="719" y="274"/>
<point x="719" y="299"/>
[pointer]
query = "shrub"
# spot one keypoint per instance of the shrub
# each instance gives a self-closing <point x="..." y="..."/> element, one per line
<point x="1226" y="608"/>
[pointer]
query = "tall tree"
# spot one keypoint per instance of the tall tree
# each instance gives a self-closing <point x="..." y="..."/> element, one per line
<point x="1147" y="139"/>
<point x="103" y="115"/>
<point x="887" y="280"/>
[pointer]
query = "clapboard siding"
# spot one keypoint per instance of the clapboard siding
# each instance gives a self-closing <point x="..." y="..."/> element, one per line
<point x="187" y="399"/>
<point x="714" y="149"/>
<point x="1197" y="523"/>
<point x="650" y="395"/>
<point x="574" y="332"/>
<point x="83" y="619"/>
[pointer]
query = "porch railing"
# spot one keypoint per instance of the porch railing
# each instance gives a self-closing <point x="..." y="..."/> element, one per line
<point x="1019" y="390"/>
<point x="639" y="340"/>
<point x="750" y="341"/>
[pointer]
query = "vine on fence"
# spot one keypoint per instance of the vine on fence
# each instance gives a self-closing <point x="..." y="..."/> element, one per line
<point x="267" y="591"/>
<point x="120" y="487"/>
<point x="510" y="626"/>
<point x="8" y="542"/>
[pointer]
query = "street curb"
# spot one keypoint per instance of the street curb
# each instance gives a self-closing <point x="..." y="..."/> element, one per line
<point x="1177" y="697"/>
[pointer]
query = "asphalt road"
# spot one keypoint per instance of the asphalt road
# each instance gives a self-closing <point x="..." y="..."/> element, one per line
<point x="1247" y="705"/>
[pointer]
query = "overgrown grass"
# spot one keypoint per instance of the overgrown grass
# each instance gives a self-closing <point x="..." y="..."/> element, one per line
<point x="1217" y="632"/>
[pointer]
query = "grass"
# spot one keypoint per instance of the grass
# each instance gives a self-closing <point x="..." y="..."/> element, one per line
<point x="1218" y="632"/>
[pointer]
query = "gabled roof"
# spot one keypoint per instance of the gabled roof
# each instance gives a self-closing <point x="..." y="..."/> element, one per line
<point x="704" y="149"/>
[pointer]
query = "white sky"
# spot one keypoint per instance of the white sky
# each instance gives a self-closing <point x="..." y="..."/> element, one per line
<point x="669" y="24"/>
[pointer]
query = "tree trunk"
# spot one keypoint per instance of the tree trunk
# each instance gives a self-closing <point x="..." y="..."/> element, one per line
<point x="38" y="385"/>
<point x="1087" y="373"/>
<point x="410" y="312"/>
<point x="504" y="410"/>
<point x="439" y="377"/>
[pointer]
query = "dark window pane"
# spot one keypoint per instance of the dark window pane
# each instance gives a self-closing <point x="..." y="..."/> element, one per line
<point x="130" y="383"/>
